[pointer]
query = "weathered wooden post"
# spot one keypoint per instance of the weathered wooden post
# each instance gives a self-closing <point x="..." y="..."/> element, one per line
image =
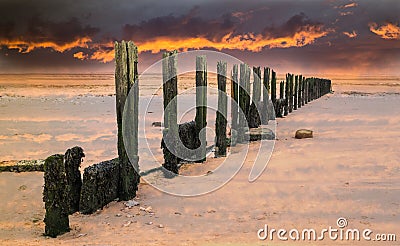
<point x="281" y="90"/>
<point x="296" y="87"/>
<point x="303" y="85"/>
<point x="201" y="104"/>
<point x="73" y="159"/>
<point x="299" y="93"/>
<point x="234" y="104"/>
<point x="126" y="79"/>
<point x="221" y="121"/>
<point x="55" y="196"/>
<point x="244" y="100"/>
<point x="254" y="119"/>
<point x="306" y="92"/>
<point x="257" y="85"/>
<point x="281" y="102"/>
<point x="273" y="88"/>
<point x="291" y="83"/>
<point x="266" y="89"/>
<point x="286" y="103"/>
<point x="170" y="92"/>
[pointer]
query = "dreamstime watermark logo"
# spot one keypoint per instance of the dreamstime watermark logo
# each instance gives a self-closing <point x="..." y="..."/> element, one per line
<point x="333" y="233"/>
<point x="151" y="110"/>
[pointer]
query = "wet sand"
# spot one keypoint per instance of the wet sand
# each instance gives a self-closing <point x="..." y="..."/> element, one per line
<point x="349" y="169"/>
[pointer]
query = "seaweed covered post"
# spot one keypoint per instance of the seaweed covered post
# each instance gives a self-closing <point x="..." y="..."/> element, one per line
<point x="201" y="105"/>
<point x="73" y="159"/>
<point x="234" y="102"/>
<point x="266" y="112"/>
<point x="100" y="186"/>
<point x="254" y="118"/>
<point x="55" y="196"/>
<point x="126" y="79"/>
<point x="170" y="91"/>
<point x="296" y="88"/>
<point x="221" y="121"/>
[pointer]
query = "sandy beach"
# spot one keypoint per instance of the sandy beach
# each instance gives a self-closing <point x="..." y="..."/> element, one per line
<point x="349" y="169"/>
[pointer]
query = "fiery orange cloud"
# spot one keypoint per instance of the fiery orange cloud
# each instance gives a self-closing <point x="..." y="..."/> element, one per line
<point x="81" y="56"/>
<point x="387" y="31"/>
<point x="346" y="13"/>
<point x="24" y="46"/>
<point x="352" y="34"/>
<point x="103" y="55"/>
<point x="350" y="5"/>
<point x="250" y="42"/>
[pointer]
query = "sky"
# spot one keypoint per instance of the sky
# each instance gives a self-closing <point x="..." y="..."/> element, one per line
<point x="346" y="37"/>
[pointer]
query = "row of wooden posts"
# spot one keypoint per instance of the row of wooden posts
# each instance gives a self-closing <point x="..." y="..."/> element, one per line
<point x="294" y="93"/>
<point x="65" y="192"/>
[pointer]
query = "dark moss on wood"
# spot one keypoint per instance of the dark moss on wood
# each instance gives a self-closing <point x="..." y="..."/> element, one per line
<point x="55" y="196"/>
<point x="126" y="79"/>
<point x="73" y="159"/>
<point x="100" y="185"/>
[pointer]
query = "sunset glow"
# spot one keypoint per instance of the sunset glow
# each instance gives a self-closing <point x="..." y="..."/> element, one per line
<point x="326" y="35"/>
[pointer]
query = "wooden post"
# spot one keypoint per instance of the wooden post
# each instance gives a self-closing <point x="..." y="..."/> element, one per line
<point x="296" y="87"/>
<point x="201" y="104"/>
<point x="281" y="102"/>
<point x="55" y="196"/>
<point x="273" y="88"/>
<point x="220" y="123"/>
<point x="243" y="95"/>
<point x="286" y="103"/>
<point x="247" y="84"/>
<point x="291" y="82"/>
<point x="307" y="99"/>
<point x="303" y="85"/>
<point x="170" y="92"/>
<point x="300" y="91"/>
<point x="268" y="109"/>
<point x="266" y="88"/>
<point x="257" y="85"/>
<point x="73" y="159"/>
<point x="254" y="119"/>
<point x="126" y="78"/>
<point x="235" y="102"/>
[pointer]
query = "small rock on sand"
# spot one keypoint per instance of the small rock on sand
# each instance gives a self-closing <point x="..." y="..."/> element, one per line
<point x="303" y="133"/>
<point x="131" y="203"/>
<point x="156" y="124"/>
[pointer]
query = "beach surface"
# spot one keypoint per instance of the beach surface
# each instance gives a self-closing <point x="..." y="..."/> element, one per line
<point x="349" y="169"/>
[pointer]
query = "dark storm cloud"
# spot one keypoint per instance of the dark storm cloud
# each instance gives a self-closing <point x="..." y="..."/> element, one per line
<point x="188" y="25"/>
<point x="58" y="32"/>
<point x="295" y="24"/>
<point x="336" y="31"/>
